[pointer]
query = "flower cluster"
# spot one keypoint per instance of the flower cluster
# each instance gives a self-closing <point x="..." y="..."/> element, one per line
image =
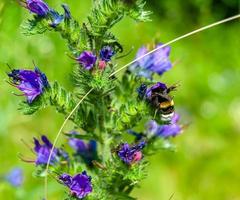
<point x="41" y="9"/>
<point x="88" y="59"/>
<point x="31" y="82"/>
<point x="131" y="154"/>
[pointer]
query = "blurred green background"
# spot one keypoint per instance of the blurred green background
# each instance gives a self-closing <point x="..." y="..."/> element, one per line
<point x="206" y="164"/>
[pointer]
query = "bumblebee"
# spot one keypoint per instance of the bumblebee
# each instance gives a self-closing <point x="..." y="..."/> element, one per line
<point x="162" y="101"/>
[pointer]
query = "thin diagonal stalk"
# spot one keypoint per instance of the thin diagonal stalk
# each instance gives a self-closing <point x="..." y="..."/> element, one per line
<point x="177" y="39"/>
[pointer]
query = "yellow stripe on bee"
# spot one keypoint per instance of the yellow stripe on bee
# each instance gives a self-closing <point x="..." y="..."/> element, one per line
<point x="166" y="104"/>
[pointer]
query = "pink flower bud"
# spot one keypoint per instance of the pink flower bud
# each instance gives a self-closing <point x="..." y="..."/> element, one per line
<point x="137" y="157"/>
<point x="102" y="64"/>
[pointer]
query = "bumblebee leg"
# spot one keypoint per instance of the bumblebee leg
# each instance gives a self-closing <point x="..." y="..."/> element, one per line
<point x="155" y="113"/>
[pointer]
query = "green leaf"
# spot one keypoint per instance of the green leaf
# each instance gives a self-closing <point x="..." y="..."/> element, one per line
<point x="137" y="11"/>
<point x="55" y="95"/>
<point x="37" y="25"/>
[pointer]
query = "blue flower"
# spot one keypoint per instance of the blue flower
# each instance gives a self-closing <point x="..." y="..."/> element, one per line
<point x="43" y="152"/>
<point x="31" y="83"/>
<point x="87" y="59"/>
<point x="164" y="131"/>
<point x="142" y="91"/>
<point x="38" y="7"/>
<point x="80" y="185"/>
<point x="131" y="154"/>
<point x="106" y="53"/>
<point x="157" y="62"/>
<point x="87" y="151"/>
<point x="67" y="13"/>
<point x="56" y="18"/>
<point x="15" y="177"/>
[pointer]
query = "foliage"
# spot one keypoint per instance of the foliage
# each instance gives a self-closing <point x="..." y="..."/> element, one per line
<point x="215" y="141"/>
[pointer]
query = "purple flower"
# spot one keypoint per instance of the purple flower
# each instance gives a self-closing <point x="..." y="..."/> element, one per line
<point x="161" y="62"/>
<point x="87" y="151"/>
<point x="106" y="53"/>
<point x="66" y="179"/>
<point x="165" y="131"/>
<point x="157" y="62"/>
<point x="80" y="185"/>
<point x="43" y="152"/>
<point x="38" y="7"/>
<point x="170" y="130"/>
<point x="87" y="59"/>
<point x="131" y="154"/>
<point x="157" y="88"/>
<point x="141" y="52"/>
<point x="175" y="119"/>
<point x="15" y="177"/>
<point x="31" y="83"/>
<point x="152" y="127"/>
<point x="139" y="67"/>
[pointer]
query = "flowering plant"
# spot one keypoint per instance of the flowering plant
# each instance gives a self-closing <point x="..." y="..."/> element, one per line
<point x="110" y="147"/>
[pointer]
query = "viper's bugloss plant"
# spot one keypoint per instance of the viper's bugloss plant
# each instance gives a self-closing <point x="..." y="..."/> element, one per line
<point x="107" y="158"/>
